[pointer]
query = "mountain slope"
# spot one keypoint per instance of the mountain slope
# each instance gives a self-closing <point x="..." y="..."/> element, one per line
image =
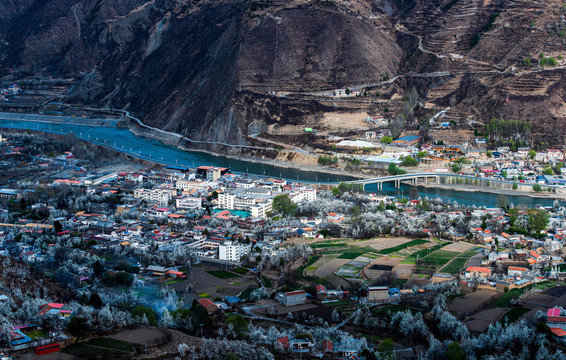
<point x="209" y="69"/>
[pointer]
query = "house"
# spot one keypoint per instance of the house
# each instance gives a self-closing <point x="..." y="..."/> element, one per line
<point x="54" y="310"/>
<point x="283" y="342"/>
<point x="174" y="274"/>
<point x="556" y="321"/>
<point x="409" y="140"/>
<point x="327" y="346"/>
<point x="378" y="293"/>
<point x="292" y="298"/>
<point x="516" y="271"/>
<point x="208" y="305"/>
<point x="472" y="271"/>
<point x="301" y="345"/>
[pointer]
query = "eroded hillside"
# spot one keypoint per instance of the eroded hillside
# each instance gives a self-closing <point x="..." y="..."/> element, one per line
<point x="220" y="70"/>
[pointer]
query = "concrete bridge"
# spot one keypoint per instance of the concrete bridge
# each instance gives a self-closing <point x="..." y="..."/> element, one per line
<point x="397" y="179"/>
<point x="428" y="177"/>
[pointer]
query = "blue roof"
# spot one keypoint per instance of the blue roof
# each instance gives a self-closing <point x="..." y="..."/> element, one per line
<point x="408" y="138"/>
<point x="232" y="299"/>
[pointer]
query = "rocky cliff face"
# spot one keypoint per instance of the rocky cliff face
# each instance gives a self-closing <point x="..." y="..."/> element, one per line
<point x="207" y="69"/>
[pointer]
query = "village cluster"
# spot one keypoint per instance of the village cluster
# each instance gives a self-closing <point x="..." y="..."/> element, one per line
<point x="268" y="268"/>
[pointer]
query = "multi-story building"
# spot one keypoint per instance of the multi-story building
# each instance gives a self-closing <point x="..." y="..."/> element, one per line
<point x="187" y="203"/>
<point x="246" y="200"/>
<point x="160" y="195"/>
<point x="292" y="298"/>
<point x="261" y="209"/>
<point x="232" y="251"/>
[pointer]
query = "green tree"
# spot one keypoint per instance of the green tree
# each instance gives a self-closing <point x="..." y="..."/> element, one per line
<point x="95" y="301"/>
<point x="527" y="62"/>
<point x="386" y="348"/>
<point x="456" y="167"/>
<point x="532" y="154"/>
<point x="455" y="352"/>
<point x="502" y="201"/>
<point x="515" y="186"/>
<point x="537" y="220"/>
<point x="548" y="170"/>
<point x="97" y="268"/>
<point x="76" y="327"/>
<point x="141" y="310"/>
<point x="23" y="204"/>
<point x="504" y="173"/>
<point x="240" y="325"/>
<point x="489" y="154"/>
<point x="386" y="140"/>
<point x="57" y="226"/>
<point x="513" y="215"/>
<point x="537" y="188"/>
<point x="409" y="161"/>
<point x="356" y="211"/>
<point x="283" y="205"/>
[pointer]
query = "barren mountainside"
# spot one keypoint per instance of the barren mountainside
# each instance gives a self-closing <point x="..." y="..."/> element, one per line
<point x="216" y="70"/>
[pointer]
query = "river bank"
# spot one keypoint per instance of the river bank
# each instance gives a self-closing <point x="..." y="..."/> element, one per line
<point x="155" y="151"/>
<point x="483" y="189"/>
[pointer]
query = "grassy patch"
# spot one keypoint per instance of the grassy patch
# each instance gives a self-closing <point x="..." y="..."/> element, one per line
<point x="246" y="293"/>
<point x="223" y="274"/>
<point x="36" y="334"/>
<point x="174" y="281"/>
<point x="328" y="244"/>
<point x="504" y="300"/>
<point x="424" y="252"/>
<point x="455" y="266"/>
<point x="402" y="246"/>
<point x="440" y="257"/>
<point x="514" y="314"/>
<point x="350" y="255"/>
<point x="400" y="282"/>
<point x="267" y="281"/>
<point x="204" y="295"/>
<point x="241" y="270"/>
<point x="100" y="347"/>
<point x="301" y="269"/>
<point x="338" y="303"/>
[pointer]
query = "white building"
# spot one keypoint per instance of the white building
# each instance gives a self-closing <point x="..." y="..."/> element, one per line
<point x="213" y="174"/>
<point x="189" y="203"/>
<point x="160" y="195"/>
<point x="303" y="194"/>
<point x="194" y="185"/>
<point x="243" y="199"/>
<point x="231" y="251"/>
<point x="261" y="209"/>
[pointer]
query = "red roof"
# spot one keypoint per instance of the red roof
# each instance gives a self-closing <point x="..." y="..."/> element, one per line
<point x="327" y="345"/>
<point x="284" y="341"/>
<point x="296" y="292"/>
<point x="558" y="331"/>
<point x="478" y="269"/>
<point x="517" y="268"/>
<point x="174" y="272"/>
<point x="534" y="254"/>
<point x="553" y="312"/>
<point x="205" y="302"/>
<point x="320" y="288"/>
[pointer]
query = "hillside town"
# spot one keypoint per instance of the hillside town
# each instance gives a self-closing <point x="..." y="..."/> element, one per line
<point x="202" y="263"/>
